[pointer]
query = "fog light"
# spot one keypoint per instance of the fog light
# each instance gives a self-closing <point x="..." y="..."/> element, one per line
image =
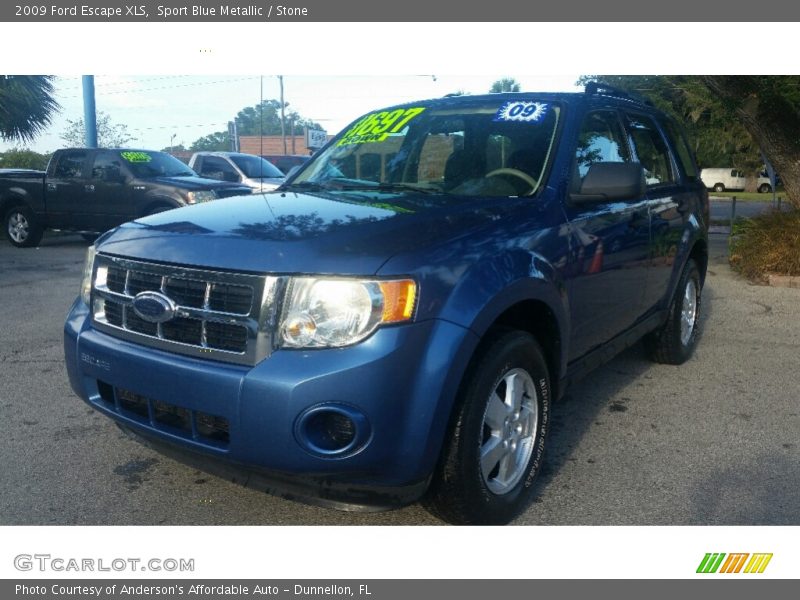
<point x="332" y="430"/>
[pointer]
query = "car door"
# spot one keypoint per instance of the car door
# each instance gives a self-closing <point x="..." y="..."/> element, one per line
<point x="65" y="185"/>
<point x="610" y="240"/>
<point x="108" y="193"/>
<point x="673" y="192"/>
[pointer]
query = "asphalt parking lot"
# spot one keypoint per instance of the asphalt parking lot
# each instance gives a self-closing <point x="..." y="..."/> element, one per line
<point x="712" y="442"/>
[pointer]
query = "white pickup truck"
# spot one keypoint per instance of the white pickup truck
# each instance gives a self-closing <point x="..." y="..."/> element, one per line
<point x="248" y="169"/>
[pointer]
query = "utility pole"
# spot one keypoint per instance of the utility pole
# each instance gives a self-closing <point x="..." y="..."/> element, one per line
<point x="89" y="113"/>
<point x="283" y="116"/>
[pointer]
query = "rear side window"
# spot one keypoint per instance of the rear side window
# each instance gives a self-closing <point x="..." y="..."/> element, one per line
<point x="651" y="150"/>
<point x="682" y="150"/>
<point x="70" y="165"/>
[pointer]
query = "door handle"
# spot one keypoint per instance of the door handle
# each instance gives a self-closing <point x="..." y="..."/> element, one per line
<point x="89" y="188"/>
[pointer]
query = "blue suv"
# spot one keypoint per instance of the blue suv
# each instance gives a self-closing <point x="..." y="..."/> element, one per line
<point x="393" y="323"/>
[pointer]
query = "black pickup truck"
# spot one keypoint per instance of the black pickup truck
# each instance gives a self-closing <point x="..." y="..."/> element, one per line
<point x="93" y="190"/>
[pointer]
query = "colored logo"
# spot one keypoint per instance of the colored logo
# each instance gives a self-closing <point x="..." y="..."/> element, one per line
<point x="741" y="562"/>
<point x="153" y="307"/>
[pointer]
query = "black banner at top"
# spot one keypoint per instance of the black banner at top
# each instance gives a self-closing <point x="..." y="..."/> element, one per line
<point x="398" y="11"/>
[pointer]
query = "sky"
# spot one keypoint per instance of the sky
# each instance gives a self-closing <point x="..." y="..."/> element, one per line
<point x="156" y="107"/>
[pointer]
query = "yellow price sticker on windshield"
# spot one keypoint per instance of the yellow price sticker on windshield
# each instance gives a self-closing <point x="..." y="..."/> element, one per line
<point x="136" y="156"/>
<point x="376" y="127"/>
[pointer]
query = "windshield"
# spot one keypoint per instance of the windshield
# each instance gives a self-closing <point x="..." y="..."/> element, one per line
<point x="489" y="148"/>
<point x="155" y="164"/>
<point x="255" y="167"/>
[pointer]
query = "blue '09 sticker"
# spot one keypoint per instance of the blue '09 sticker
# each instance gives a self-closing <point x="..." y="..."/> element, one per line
<point x="525" y="111"/>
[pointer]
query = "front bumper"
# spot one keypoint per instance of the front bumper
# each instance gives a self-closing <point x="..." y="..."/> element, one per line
<point x="245" y="422"/>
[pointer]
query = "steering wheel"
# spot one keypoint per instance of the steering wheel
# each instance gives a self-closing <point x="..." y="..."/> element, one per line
<point x="515" y="173"/>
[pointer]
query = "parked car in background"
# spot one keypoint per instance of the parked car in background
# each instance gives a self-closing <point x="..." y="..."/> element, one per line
<point x="723" y="179"/>
<point x="286" y="162"/>
<point x="253" y="171"/>
<point x="93" y="190"/>
<point x="395" y="321"/>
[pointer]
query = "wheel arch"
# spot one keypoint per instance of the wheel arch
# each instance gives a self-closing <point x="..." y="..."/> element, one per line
<point x="699" y="253"/>
<point x="157" y="202"/>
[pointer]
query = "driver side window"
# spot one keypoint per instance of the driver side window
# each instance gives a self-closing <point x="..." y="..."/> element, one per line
<point x="601" y="140"/>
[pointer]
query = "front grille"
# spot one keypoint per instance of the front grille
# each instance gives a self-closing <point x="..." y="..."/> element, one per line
<point x="177" y="420"/>
<point x="216" y="315"/>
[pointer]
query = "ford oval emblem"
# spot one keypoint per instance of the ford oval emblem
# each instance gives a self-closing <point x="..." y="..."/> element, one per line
<point x="153" y="307"/>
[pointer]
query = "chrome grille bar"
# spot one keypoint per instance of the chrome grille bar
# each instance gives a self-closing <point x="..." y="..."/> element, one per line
<point x="238" y="337"/>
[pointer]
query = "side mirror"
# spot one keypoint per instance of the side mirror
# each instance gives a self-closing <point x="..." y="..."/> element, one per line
<point x="609" y="181"/>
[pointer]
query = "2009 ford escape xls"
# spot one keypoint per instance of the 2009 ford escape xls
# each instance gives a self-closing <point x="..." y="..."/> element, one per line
<point x="395" y="321"/>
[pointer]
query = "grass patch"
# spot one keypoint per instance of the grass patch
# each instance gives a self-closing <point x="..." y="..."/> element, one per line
<point x="768" y="243"/>
<point x="748" y="196"/>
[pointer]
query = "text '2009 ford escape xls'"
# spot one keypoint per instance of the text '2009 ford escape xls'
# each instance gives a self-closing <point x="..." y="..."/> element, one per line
<point x="394" y="322"/>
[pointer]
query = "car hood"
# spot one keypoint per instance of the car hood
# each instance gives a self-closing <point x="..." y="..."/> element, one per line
<point x="285" y="232"/>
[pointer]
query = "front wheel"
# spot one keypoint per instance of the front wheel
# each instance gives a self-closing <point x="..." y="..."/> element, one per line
<point x="764" y="188"/>
<point x="497" y="438"/>
<point x="674" y="342"/>
<point x="719" y="188"/>
<point x="21" y="227"/>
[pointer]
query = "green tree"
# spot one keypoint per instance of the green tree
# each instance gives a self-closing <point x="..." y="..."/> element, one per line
<point x="262" y="119"/>
<point x="506" y="84"/>
<point x="109" y="135"/>
<point x="731" y="119"/>
<point x="175" y="148"/>
<point x="718" y="139"/>
<point x="27" y="106"/>
<point x="215" y="142"/>
<point x="22" y="158"/>
<point x="768" y="107"/>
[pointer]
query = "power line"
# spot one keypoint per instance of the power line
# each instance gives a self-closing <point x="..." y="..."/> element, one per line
<point x="171" y="87"/>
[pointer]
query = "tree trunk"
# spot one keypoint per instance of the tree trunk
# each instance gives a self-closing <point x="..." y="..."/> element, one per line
<point x="770" y="118"/>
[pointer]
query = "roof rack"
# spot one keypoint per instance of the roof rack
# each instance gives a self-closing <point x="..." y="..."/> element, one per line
<point x="596" y="87"/>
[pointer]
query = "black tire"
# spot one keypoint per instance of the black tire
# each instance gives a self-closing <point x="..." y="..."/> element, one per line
<point x="719" y="187"/>
<point x="764" y="188"/>
<point x="670" y="344"/>
<point x="461" y="493"/>
<point x="22" y="228"/>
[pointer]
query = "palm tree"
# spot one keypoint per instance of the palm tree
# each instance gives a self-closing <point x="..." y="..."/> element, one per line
<point x="27" y="106"/>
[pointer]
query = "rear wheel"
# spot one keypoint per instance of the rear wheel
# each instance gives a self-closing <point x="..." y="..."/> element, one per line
<point x="496" y="443"/>
<point x="719" y="187"/>
<point x="21" y="227"/>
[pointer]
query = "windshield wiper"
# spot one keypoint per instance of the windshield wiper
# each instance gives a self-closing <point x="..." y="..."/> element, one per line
<point x="380" y="187"/>
<point x="406" y="187"/>
<point x="304" y="185"/>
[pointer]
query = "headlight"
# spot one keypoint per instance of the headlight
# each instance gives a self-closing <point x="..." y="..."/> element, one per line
<point x="325" y="313"/>
<point x="201" y="196"/>
<point x="86" y="282"/>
